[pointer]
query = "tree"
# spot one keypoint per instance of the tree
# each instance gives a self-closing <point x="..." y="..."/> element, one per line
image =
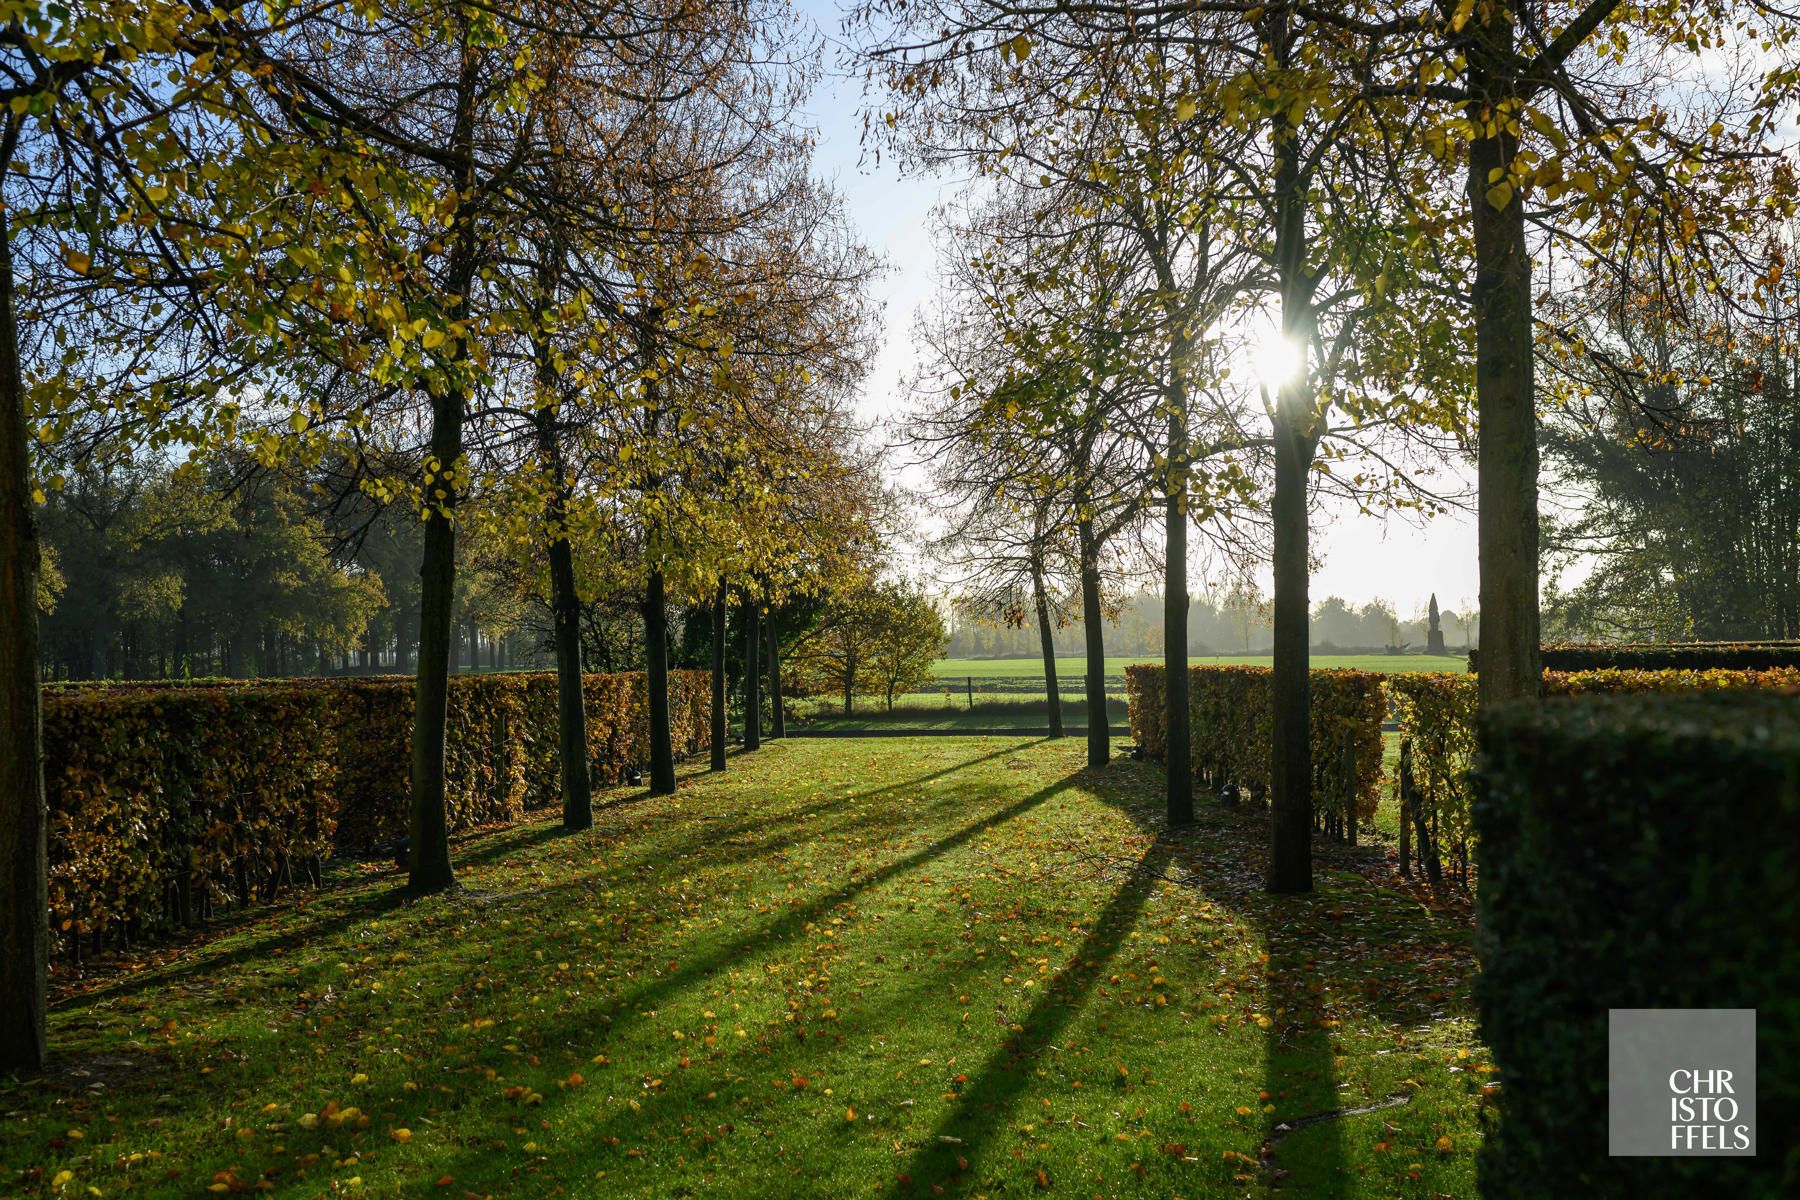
<point x="1035" y="403"/>
<point x="1583" y="106"/>
<point x="1016" y="572"/>
<point x="479" y="165"/>
<point x="1673" y="444"/>
<point x="111" y="186"/>
<point x="904" y="638"/>
<point x="1107" y="132"/>
<point x="874" y="637"/>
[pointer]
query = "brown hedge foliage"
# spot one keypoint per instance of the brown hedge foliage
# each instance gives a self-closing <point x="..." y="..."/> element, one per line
<point x="1438" y="719"/>
<point x="1232" y="723"/>
<point x="166" y="801"/>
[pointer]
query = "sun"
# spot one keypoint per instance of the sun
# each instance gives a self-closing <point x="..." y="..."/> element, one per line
<point x="1277" y="360"/>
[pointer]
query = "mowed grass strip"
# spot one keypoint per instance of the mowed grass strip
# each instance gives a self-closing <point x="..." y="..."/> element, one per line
<point x="925" y="712"/>
<point x="1069" y="671"/>
<point x="845" y="968"/>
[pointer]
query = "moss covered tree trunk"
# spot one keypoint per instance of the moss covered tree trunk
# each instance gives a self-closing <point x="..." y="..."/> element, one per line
<point x="1291" y="775"/>
<point x="430" y="833"/>
<point x="849" y="678"/>
<point x="571" y="702"/>
<point x="24" y="895"/>
<point x="565" y="603"/>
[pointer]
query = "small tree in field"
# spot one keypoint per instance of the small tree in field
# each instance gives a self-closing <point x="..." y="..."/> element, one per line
<point x="873" y="638"/>
<point x="907" y="638"/>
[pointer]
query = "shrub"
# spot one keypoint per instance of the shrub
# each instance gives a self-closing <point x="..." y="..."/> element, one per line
<point x="1231" y="719"/>
<point x="1636" y="852"/>
<point x="163" y="803"/>
<point x="168" y="800"/>
<point x="1665" y="656"/>
<point x="1437" y="716"/>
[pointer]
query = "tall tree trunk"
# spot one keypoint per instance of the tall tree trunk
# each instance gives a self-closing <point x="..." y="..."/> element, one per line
<point x="24" y="897"/>
<point x="720" y="729"/>
<point x="777" y="716"/>
<point x="1507" y="460"/>
<point x="747" y="615"/>
<point x="565" y="602"/>
<point x="656" y="657"/>
<point x="1290" y="777"/>
<point x="1290" y="826"/>
<point x="430" y="833"/>
<point x="1099" y="737"/>
<point x="1047" y="638"/>
<point x="1179" y="766"/>
<point x="571" y="698"/>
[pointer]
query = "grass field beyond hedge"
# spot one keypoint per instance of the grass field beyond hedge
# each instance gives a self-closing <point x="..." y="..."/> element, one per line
<point x="1070" y="670"/>
<point x="845" y="968"/>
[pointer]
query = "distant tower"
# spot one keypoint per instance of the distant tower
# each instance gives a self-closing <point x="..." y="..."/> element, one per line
<point x="1434" y="638"/>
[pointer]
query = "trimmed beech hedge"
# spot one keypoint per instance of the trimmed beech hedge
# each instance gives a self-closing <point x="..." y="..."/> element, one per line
<point x="164" y="802"/>
<point x="1232" y="723"/>
<point x="1437" y="715"/>
<point x="1636" y="852"/>
<point x="1664" y="656"/>
<point x="168" y="801"/>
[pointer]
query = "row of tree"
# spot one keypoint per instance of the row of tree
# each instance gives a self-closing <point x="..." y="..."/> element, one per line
<point x="1223" y="259"/>
<point x="993" y="620"/>
<point x="547" y="288"/>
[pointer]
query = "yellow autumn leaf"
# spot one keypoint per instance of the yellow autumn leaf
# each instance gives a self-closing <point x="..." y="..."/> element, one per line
<point x="78" y="262"/>
<point x="1500" y="195"/>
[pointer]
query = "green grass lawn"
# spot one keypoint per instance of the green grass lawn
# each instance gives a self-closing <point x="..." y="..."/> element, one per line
<point x="1070" y="670"/>
<point x="966" y="967"/>
<point x="934" y="712"/>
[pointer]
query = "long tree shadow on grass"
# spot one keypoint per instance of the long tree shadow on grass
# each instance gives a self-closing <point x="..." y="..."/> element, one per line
<point x="993" y="1092"/>
<point x="1353" y="953"/>
<point x="624" y="1009"/>
<point x="1013" y="746"/>
<point x="796" y="920"/>
<point x="577" y="1026"/>
<point x="754" y="838"/>
<point x="1299" y="1071"/>
<point x="194" y="954"/>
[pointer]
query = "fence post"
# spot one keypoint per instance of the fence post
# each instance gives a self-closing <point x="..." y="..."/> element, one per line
<point x="971" y="685"/>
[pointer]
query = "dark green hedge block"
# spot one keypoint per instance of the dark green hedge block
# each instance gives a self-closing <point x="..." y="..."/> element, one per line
<point x="1663" y="656"/>
<point x="1635" y="852"/>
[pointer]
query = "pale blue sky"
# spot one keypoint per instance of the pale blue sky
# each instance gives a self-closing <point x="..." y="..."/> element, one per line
<point x="1364" y="556"/>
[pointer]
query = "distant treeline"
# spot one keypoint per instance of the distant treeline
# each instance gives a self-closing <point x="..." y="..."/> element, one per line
<point x="1232" y="625"/>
